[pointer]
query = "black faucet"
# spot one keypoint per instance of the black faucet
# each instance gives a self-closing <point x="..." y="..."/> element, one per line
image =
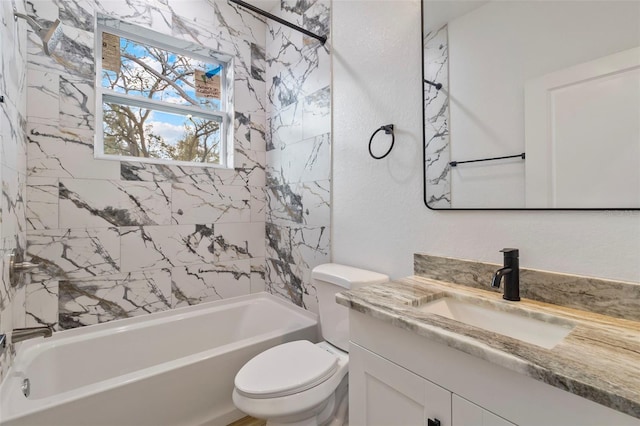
<point x="511" y="274"/>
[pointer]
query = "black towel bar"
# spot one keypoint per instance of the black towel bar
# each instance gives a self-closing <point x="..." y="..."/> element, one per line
<point x="455" y="163"/>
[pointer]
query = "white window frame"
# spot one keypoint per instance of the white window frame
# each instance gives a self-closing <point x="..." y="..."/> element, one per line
<point x="224" y="115"/>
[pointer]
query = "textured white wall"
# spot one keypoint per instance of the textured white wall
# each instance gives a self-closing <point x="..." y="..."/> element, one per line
<point x="379" y="219"/>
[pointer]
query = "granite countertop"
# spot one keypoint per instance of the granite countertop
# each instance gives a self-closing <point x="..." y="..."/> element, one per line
<point x="599" y="359"/>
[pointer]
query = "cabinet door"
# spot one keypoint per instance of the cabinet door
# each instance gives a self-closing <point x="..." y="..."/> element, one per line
<point x="382" y="393"/>
<point x="465" y="413"/>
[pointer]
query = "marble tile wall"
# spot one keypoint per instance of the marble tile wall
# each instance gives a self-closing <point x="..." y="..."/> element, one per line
<point x="436" y="119"/>
<point x="119" y="239"/>
<point x="13" y="172"/>
<point x="298" y="158"/>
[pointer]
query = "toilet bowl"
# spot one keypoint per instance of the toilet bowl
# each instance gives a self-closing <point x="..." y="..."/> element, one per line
<point x="302" y="383"/>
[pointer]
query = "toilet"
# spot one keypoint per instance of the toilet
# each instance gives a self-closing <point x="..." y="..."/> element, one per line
<point x="302" y="383"/>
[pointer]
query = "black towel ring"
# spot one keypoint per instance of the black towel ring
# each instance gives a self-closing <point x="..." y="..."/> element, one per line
<point x="388" y="129"/>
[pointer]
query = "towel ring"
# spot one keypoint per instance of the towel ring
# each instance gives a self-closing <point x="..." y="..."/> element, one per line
<point x="388" y="129"/>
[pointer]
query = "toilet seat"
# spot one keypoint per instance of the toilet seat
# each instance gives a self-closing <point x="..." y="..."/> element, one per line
<point x="309" y="401"/>
<point x="285" y="370"/>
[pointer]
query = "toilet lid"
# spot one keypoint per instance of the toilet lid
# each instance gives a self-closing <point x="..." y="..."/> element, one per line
<point x="286" y="369"/>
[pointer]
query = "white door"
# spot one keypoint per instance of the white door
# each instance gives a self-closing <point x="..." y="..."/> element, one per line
<point x="582" y="135"/>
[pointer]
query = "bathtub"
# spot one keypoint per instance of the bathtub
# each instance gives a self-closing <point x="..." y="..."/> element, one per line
<point x="170" y="368"/>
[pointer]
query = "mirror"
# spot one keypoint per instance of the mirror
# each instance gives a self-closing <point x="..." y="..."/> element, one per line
<point x="553" y="86"/>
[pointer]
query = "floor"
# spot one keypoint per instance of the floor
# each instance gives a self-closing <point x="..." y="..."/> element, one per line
<point x="248" y="421"/>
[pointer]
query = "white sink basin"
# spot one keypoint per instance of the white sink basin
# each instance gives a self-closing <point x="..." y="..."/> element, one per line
<point x="531" y="330"/>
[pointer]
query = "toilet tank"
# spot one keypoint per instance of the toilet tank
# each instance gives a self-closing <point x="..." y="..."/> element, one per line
<point x="332" y="278"/>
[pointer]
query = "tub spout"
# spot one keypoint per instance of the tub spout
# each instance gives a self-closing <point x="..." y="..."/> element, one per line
<point x="20" y="334"/>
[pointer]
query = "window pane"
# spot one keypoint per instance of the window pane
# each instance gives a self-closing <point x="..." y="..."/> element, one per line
<point x="143" y="132"/>
<point x="136" y="69"/>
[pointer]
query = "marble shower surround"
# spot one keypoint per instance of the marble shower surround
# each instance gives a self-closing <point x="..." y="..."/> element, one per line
<point x="13" y="173"/>
<point x="121" y="238"/>
<point x="613" y="298"/>
<point x="436" y="119"/>
<point x="298" y="172"/>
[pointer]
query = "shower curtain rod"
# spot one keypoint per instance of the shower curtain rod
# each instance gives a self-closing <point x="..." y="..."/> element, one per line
<point x="251" y="7"/>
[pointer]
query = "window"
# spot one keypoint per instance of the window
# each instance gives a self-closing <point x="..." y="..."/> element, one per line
<point x="160" y="102"/>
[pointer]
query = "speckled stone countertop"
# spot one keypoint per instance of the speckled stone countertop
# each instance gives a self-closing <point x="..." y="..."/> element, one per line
<point x="599" y="360"/>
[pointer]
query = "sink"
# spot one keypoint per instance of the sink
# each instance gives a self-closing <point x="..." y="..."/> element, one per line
<point x="513" y="324"/>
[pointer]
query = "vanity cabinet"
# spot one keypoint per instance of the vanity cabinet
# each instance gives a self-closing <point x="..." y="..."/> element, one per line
<point x="397" y="377"/>
<point x="382" y="393"/>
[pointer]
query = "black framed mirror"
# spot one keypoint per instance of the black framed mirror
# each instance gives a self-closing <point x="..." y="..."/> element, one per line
<point x="531" y="105"/>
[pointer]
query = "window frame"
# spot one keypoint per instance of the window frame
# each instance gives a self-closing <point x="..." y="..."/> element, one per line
<point x="225" y="115"/>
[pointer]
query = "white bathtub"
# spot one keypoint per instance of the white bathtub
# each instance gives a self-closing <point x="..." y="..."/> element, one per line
<point x="170" y="368"/>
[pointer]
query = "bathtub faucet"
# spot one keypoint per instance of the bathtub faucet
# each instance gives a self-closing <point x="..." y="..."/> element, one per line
<point x="20" y="334"/>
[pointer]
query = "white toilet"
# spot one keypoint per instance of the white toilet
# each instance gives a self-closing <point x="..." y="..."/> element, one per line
<point x="301" y="383"/>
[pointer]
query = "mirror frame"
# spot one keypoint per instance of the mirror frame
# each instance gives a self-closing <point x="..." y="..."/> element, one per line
<point x="424" y="157"/>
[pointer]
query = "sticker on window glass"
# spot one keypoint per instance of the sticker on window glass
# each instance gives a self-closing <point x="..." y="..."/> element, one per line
<point x="110" y="52"/>
<point x="208" y="83"/>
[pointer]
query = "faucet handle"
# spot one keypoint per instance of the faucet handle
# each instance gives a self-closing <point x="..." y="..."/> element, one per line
<point x="17" y="267"/>
<point x="510" y="252"/>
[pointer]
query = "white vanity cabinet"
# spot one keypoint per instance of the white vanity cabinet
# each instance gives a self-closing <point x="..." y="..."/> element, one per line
<point x="399" y="378"/>
<point x="382" y="393"/>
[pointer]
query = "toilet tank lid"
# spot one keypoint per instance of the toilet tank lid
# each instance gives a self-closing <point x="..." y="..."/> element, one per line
<point x="347" y="276"/>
